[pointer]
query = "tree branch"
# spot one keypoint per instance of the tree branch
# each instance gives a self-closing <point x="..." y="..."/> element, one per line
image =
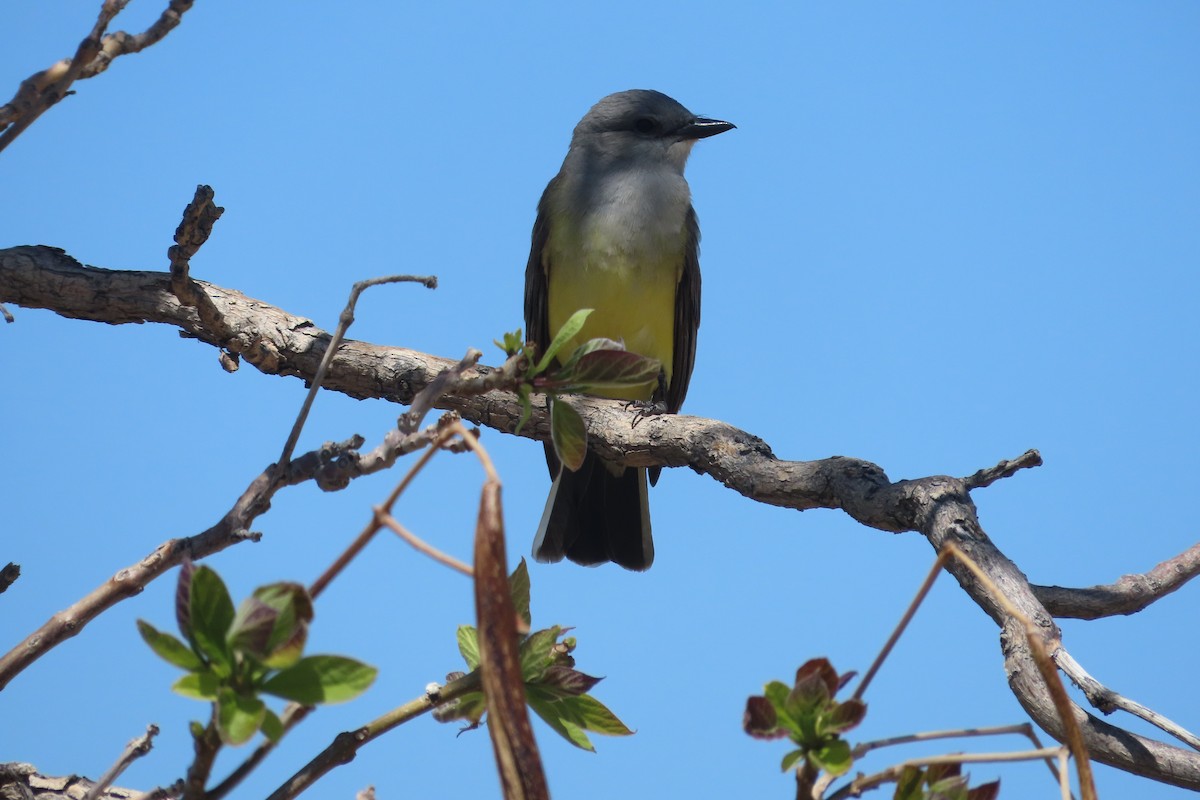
<point x="939" y="507"/>
<point x="40" y="91"/>
<point x="1129" y="595"/>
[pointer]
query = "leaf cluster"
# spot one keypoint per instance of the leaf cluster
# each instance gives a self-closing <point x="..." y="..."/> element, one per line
<point x="233" y="657"/>
<point x="554" y="689"/>
<point x="941" y="782"/>
<point x="598" y="366"/>
<point x="808" y="714"/>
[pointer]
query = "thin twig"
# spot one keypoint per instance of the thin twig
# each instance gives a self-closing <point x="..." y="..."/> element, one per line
<point x="9" y="575"/>
<point x="364" y="537"/>
<point x="1024" y="729"/>
<point x="133" y="751"/>
<point x="44" y="89"/>
<point x="345" y="320"/>
<point x="926" y="585"/>
<point x="1058" y="693"/>
<point x="1128" y="595"/>
<point x="291" y="716"/>
<point x="1108" y="701"/>
<point x="1005" y="469"/>
<point x="233" y="528"/>
<point x="346" y="744"/>
<point x="862" y="783"/>
<point x="421" y="545"/>
<point x="4" y="312"/>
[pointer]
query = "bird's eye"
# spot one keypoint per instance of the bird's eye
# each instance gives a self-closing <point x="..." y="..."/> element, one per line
<point x="645" y="125"/>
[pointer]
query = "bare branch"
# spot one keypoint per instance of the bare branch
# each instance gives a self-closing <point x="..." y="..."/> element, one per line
<point x="233" y="528"/>
<point x="1108" y="701"/>
<point x="133" y="751"/>
<point x="1005" y="469"/>
<point x="346" y="744"/>
<point x="345" y="320"/>
<point x="9" y="575"/>
<point x="1129" y="595"/>
<point x="40" y="91"/>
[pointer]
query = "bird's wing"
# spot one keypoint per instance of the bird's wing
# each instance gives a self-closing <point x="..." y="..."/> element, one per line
<point x="537" y="280"/>
<point x="537" y="296"/>
<point x="687" y="317"/>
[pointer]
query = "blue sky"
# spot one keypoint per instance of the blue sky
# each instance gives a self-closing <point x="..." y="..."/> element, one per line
<point x="943" y="233"/>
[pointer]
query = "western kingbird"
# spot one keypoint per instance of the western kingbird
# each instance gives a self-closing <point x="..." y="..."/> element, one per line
<point x="616" y="232"/>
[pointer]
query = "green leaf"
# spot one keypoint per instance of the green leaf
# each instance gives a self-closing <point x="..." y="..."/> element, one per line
<point x="272" y="726"/>
<point x="518" y="586"/>
<point x="595" y="716"/>
<point x="776" y="693"/>
<point x="607" y="370"/>
<point x="211" y="611"/>
<point x="566" y="333"/>
<point x="537" y="653"/>
<point x="196" y="729"/>
<point x="512" y="342"/>
<point x="790" y="760"/>
<point x="833" y="757"/>
<point x="198" y="685"/>
<point x="557" y="717"/>
<point x="168" y="648"/>
<point x="468" y="645"/>
<point x="238" y="717"/>
<point x="568" y="434"/>
<point x="321" y="679"/>
<point x="908" y="785"/>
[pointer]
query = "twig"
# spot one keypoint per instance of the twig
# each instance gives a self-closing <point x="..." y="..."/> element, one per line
<point x="1108" y="701"/>
<point x="133" y="751"/>
<point x="861" y="784"/>
<point x="4" y="312"/>
<point x="421" y="545"/>
<point x="206" y="745"/>
<point x="345" y="745"/>
<point x="193" y="231"/>
<point x="233" y="528"/>
<point x="319" y="585"/>
<point x="1130" y="594"/>
<point x="1023" y="729"/>
<point x="926" y="585"/>
<point x="1005" y="469"/>
<point x="291" y="716"/>
<point x="162" y="792"/>
<point x="345" y="320"/>
<point x="40" y="91"/>
<point x="1058" y="693"/>
<point x="9" y="575"/>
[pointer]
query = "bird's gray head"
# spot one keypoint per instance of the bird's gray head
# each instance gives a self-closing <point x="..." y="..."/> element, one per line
<point x="643" y="126"/>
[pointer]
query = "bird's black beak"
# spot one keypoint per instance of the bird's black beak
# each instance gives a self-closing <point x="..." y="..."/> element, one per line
<point x="703" y="127"/>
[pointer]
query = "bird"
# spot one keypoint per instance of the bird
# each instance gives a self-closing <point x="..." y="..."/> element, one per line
<point x="616" y="232"/>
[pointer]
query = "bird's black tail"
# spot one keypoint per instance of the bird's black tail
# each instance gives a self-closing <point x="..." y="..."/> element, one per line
<point x="599" y="513"/>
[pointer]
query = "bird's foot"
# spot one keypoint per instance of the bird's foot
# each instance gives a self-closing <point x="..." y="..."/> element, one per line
<point x="645" y="409"/>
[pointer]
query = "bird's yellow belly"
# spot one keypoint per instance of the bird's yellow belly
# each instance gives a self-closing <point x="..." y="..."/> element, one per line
<point x="633" y="303"/>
